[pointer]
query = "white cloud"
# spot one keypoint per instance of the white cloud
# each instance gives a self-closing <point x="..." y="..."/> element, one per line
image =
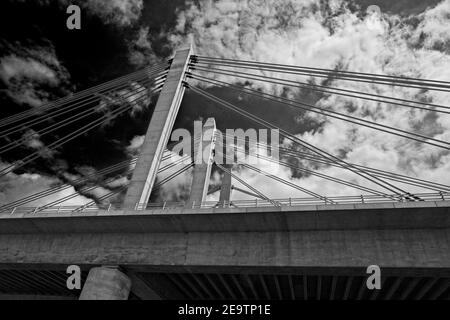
<point x="120" y="12"/>
<point x="176" y="189"/>
<point x="17" y="186"/>
<point x="136" y="95"/>
<point x="433" y="29"/>
<point x="27" y="72"/>
<point x="141" y="51"/>
<point x="135" y="144"/>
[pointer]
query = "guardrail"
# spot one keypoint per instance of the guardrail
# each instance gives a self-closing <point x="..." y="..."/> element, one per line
<point x="254" y="203"/>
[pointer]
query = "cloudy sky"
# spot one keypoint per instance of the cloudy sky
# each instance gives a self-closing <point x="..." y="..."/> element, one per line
<point x="41" y="60"/>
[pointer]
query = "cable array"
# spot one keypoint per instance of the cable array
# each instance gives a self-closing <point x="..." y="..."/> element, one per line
<point x="289" y="154"/>
<point x="329" y="113"/>
<point x="205" y="69"/>
<point x="407" y="82"/>
<point x="126" y="101"/>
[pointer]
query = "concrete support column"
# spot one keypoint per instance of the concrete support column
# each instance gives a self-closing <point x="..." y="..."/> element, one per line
<point x="225" y="190"/>
<point x="158" y="132"/>
<point x="106" y="283"/>
<point x="203" y="156"/>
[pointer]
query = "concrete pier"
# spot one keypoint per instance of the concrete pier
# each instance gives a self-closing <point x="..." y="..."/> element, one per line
<point x="106" y="283"/>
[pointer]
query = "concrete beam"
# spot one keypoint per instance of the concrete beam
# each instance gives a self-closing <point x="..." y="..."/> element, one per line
<point x="203" y="156"/>
<point x="158" y="132"/>
<point x="393" y="248"/>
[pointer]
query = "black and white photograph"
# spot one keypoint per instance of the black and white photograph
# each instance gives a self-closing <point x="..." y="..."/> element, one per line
<point x="226" y="157"/>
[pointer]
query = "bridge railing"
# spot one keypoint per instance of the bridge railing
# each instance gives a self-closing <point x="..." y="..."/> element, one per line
<point x="253" y="203"/>
<point x="49" y="209"/>
<point x="358" y="199"/>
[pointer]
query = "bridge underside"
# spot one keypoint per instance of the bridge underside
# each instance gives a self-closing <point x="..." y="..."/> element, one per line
<point x="48" y="282"/>
<point x="317" y="252"/>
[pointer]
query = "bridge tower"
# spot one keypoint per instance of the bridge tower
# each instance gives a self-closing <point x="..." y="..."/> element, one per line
<point x="158" y="132"/>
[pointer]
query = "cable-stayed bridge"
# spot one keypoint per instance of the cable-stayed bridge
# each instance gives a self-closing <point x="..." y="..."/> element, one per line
<point x="313" y="246"/>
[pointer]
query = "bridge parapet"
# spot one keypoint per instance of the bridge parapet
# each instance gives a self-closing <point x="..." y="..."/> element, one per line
<point x="406" y="215"/>
<point x="394" y="201"/>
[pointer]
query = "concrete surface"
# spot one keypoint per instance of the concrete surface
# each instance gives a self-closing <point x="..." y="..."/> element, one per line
<point x="104" y="283"/>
